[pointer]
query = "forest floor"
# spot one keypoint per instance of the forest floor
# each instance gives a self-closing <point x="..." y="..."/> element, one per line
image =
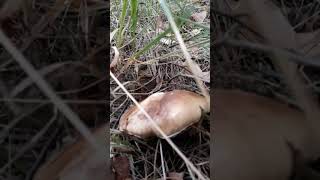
<point x="159" y="68"/>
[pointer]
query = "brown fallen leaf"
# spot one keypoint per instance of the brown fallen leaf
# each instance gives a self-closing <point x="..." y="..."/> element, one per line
<point x="161" y="26"/>
<point x="115" y="59"/>
<point x="121" y="168"/>
<point x="199" y="17"/>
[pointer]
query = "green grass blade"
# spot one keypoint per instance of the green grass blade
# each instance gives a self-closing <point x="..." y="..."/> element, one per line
<point x="122" y="22"/>
<point x="155" y="41"/>
<point x="152" y="43"/>
<point x="134" y="17"/>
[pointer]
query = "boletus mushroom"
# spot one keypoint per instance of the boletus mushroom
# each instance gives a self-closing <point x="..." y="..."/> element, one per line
<point x="172" y="111"/>
<point x="254" y="136"/>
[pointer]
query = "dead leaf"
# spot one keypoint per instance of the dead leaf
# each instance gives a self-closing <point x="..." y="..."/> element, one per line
<point x="175" y="176"/>
<point x="199" y="17"/>
<point x="195" y="32"/>
<point x="116" y="58"/>
<point x="121" y="167"/>
<point x="167" y="41"/>
<point x="112" y="34"/>
<point x="161" y="26"/>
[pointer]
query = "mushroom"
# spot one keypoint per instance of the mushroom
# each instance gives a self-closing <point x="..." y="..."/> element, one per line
<point x="77" y="161"/>
<point x="172" y="111"/>
<point x="252" y="135"/>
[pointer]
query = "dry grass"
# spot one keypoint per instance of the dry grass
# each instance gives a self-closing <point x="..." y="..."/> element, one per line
<point x="251" y="69"/>
<point x="238" y="65"/>
<point x="64" y="44"/>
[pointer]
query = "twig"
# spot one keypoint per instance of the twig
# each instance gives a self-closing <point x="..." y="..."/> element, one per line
<point x="162" y="161"/>
<point x="155" y="160"/>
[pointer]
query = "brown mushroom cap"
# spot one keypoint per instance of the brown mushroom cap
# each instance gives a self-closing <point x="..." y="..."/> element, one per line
<point x="251" y="134"/>
<point x="172" y="111"/>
